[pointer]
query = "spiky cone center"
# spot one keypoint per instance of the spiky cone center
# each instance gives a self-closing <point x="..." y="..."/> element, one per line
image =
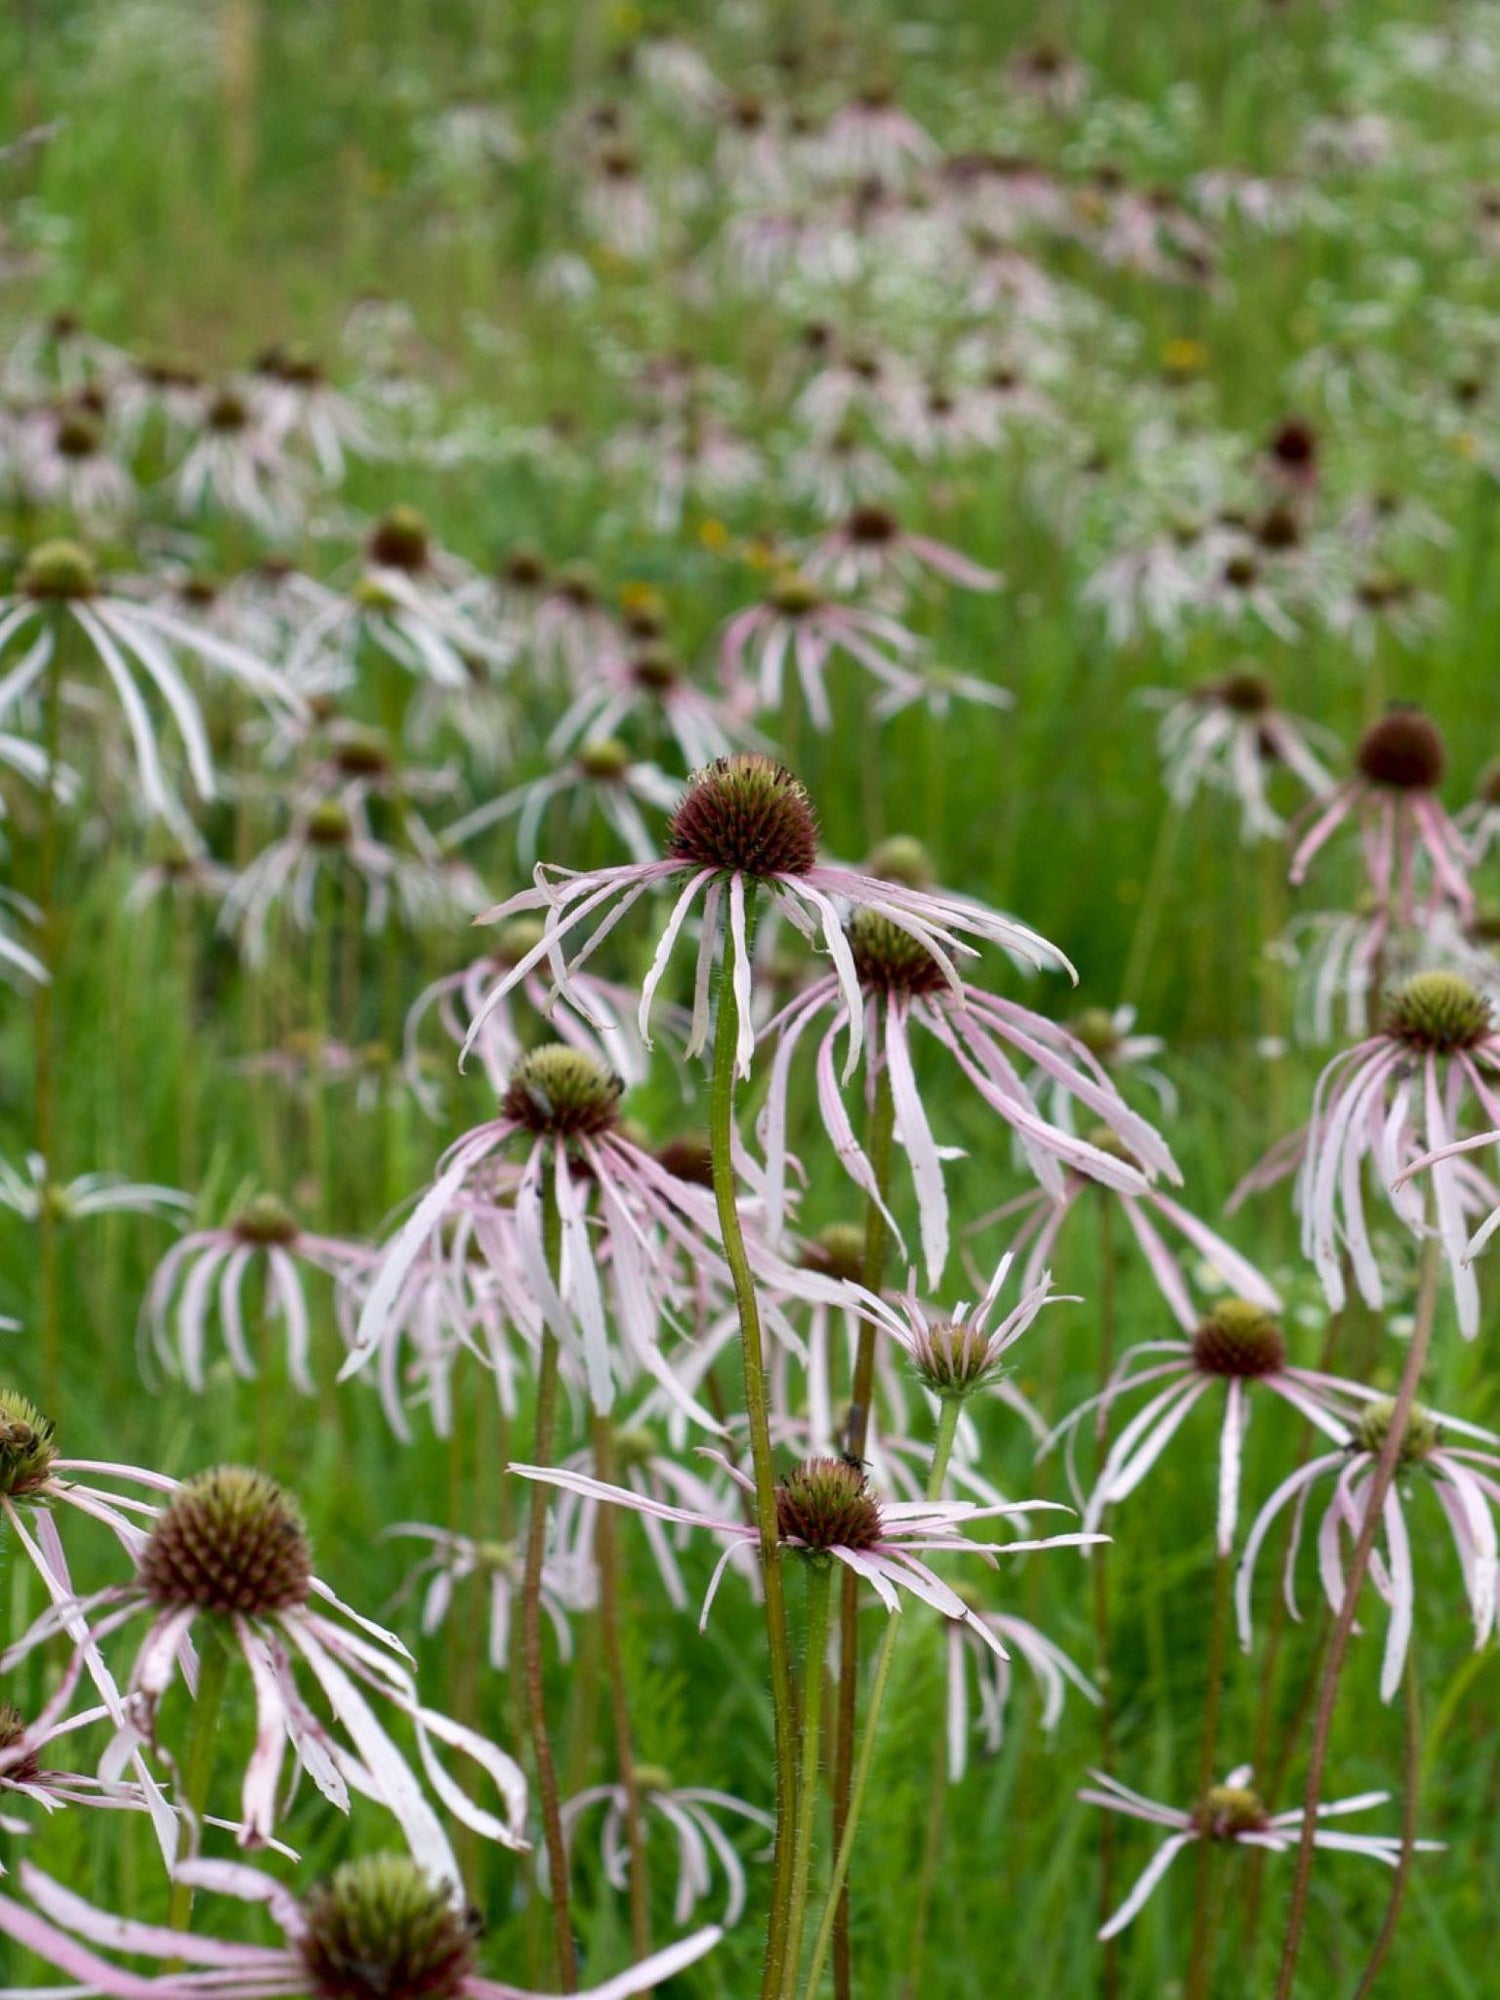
<point x="1278" y="529"/>
<point x="400" y="540"/>
<point x="329" y="824"/>
<point x="1242" y="693"/>
<point x="558" y="1092"/>
<point x="1228" y="1811"/>
<point x="1439" y="1012"/>
<point x="578" y="585"/>
<point x="826" y="1503"/>
<point x="79" y="434"/>
<point x="23" y="1770"/>
<point x="1238" y="1338"/>
<point x="265" y="1221"/>
<point x="688" y="1157"/>
<point x="378" y="1929"/>
<point x="1095" y="1028"/>
<point x="653" y="1778"/>
<point x="363" y="753"/>
<point x="746" y="815"/>
<point x="872" y="527"/>
<point x="794" y="595"/>
<point x="1241" y="572"/>
<point x="1423" y="1432"/>
<point x="524" y="569"/>
<point x="27" y="1446"/>
<point x="229" y="1542"/>
<point x="605" y="759"/>
<point x="1295" y="443"/>
<point x="58" y="572"/>
<point x="889" y="959"/>
<point x="952" y="1357"/>
<point x="1404" y="751"/>
<point x="227" y="412"/>
<point x="904" y="859"/>
<point x="655" y="670"/>
<point x="837" y="1252"/>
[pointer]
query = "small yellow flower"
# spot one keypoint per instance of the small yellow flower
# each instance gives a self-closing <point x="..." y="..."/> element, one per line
<point x="641" y="597"/>
<point x="713" y="534"/>
<point x="759" y="554"/>
<point x="1184" y="357"/>
<point x="1466" y="445"/>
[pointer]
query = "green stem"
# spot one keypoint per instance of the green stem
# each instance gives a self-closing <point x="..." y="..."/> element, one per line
<point x="319" y="1016"/>
<point x="879" y="1139"/>
<point x="607" y="1560"/>
<point x="942" y="1451"/>
<point x="1098" y="1563"/>
<point x="548" y="1379"/>
<point x="1410" y="1801"/>
<point x="1148" y="921"/>
<point x="1359" y="1562"/>
<point x="213" y="1672"/>
<point x="757" y="1411"/>
<point x="50" y="1218"/>
<point x="819" y="1593"/>
<point x="1201" y="1958"/>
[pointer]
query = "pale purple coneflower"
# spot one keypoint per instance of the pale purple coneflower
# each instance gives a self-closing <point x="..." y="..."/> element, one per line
<point x="824" y="1507"/>
<point x="903" y="986"/>
<point x="570" y="628"/>
<point x="1392" y="797"/>
<point x="331" y="839"/>
<point x="206" y="1274"/>
<point x="1048" y="74"/>
<point x="59" y="598"/>
<point x="872" y="138"/>
<point x="627" y="1224"/>
<point x="617" y="207"/>
<point x="796" y="624"/>
<point x="25" y="1776"/>
<point x="1145" y="587"/>
<point x="293" y="402"/>
<point x="838" y="471"/>
<point x="57" y="355"/>
<point x="229" y="1547"/>
<point x="1394" y="1102"/>
<point x="1051" y="1668"/>
<point x="61" y="459"/>
<point x="1479" y="821"/>
<point x="745" y="823"/>
<point x="378" y="1926"/>
<point x="646" y="684"/>
<point x="936" y="688"/>
<point x="1233" y="1812"/>
<point x="1382" y="602"/>
<point x="237" y="466"/>
<point x="1243" y="590"/>
<point x="1239" y="1344"/>
<point x="689" y="1812"/>
<point x="1466" y="1482"/>
<point x="956" y="1353"/>
<point x="26" y="1194"/>
<point x="646" y="1469"/>
<point x="675" y="459"/>
<point x="1229" y="735"/>
<point x="870" y="550"/>
<point x="601" y="778"/>
<point x="452" y="1560"/>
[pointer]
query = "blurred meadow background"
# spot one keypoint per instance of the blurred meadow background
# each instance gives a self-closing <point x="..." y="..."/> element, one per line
<point x="553" y="257"/>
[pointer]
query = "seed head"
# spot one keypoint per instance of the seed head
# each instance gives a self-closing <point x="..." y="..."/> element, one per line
<point x="227" y="412"/>
<point x="23" y="1770"/>
<point x="230" y="1541"/>
<point x="578" y="584"/>
<point x="264" y="1222"/>
<point x="1294" y="444"/>
<point x="27" y="1446"/>
<point x="1238" y="1338"/>
<point x="872" y="527"/>
<point x="400" y="540"/>
<point x="79" y="433"/>
<point x="746" y="814"/>
<point x="793" y="594"/>
<point x="1231" y="1810"/>
<point x="1243" y="692"/>
<point x="558" y="1092"/>
<point x="1423" y="1432"/>
<point x="1439" y="1012"/>
<point x="1095" y="1028"/>
<point x="329" y="824"/>
<point x="952" y="1357"/>
<point x="1278" y="529"/>
<point x="524" y="569"/>
<point x="1403" y="750"/>
<point x="889" y="959"/>
<point x="826" y="1503"/>
<point x="655" y="670"/>
<point x="515" y="939"/>
<point x="378" y="1929"/>
<point x="363" y="753"/>
<point x="902" y="858"/>
<point x="837" y="1252"/>
<point x="604" y="758"/>
<point x="59" y="572"/>
<point x="688" y="1157"/>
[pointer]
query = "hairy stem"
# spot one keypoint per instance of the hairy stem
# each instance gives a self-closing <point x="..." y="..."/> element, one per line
<point x="882" y="1123"/>
<point x="44" y="1025"/>
<point x="1411" y="1781"/>
<point x="942" y="1451"/>
<point x="819" y="1591"/>
<point x="1200" y="1960"/>
<point x="213" y="1672"/>
<point x="1098" y="1565"/>
<point x="607" y="1559"/>
<point x="1343" y="1627"/>
<point x="531" y="1617"/>
<point x="757" y="1410"/>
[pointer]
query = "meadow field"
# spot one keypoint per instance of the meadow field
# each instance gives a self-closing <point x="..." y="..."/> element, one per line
<point x="749" y="842"/>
